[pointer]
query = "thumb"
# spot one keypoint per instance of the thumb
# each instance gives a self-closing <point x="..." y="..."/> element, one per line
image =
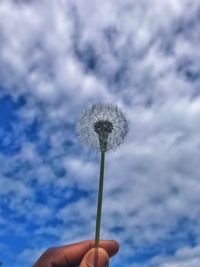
<point x="95" y="257"/>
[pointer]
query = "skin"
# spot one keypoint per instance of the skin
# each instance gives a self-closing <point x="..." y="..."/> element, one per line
<point x="83" y="254"/>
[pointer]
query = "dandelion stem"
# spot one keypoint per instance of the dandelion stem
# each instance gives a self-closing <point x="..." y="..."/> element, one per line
<point x="100" y="196"/>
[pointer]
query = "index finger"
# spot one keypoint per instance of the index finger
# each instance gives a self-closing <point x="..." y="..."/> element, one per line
<point x="72" y="254"/>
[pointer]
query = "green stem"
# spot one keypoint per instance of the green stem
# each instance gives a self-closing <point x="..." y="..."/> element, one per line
<point x="100" y="196"/>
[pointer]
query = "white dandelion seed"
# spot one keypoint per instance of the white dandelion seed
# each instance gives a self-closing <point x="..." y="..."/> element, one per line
<point x="103" y="127"/>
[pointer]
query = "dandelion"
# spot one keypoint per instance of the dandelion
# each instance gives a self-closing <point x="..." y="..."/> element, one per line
<point x="102" y="127"/>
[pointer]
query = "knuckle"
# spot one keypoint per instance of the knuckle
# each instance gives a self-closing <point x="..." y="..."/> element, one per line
<point x="49" y="252"/>
<point x="46" y="259"/>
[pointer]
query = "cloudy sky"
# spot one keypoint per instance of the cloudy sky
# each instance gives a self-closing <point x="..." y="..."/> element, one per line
<point x="59" y="57"/>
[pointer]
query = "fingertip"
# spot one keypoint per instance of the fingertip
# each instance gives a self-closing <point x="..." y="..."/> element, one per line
<point x="95" y="257"/>
<point x="116" y="245"/>
<point x="111" y="246"/>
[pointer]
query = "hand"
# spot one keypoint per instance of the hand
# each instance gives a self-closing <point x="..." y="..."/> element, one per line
<point x="83" y="253"/>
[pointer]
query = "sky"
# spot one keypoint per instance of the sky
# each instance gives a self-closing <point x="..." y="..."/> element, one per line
<point x="56" y="59"/>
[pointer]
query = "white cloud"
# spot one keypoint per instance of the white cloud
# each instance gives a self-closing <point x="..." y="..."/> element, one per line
<point x="186" y="257"/>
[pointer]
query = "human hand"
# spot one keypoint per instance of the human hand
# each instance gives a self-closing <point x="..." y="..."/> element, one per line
<point x="83" y="253"/>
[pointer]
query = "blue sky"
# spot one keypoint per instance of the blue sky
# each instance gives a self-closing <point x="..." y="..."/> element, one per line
<point x="58" y="57"/>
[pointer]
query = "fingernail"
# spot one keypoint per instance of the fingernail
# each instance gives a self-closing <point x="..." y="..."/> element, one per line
<point x="97" y="257"/>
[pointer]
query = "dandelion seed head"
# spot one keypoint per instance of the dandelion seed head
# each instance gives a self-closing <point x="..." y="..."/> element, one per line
<point x="103" y="127"/>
